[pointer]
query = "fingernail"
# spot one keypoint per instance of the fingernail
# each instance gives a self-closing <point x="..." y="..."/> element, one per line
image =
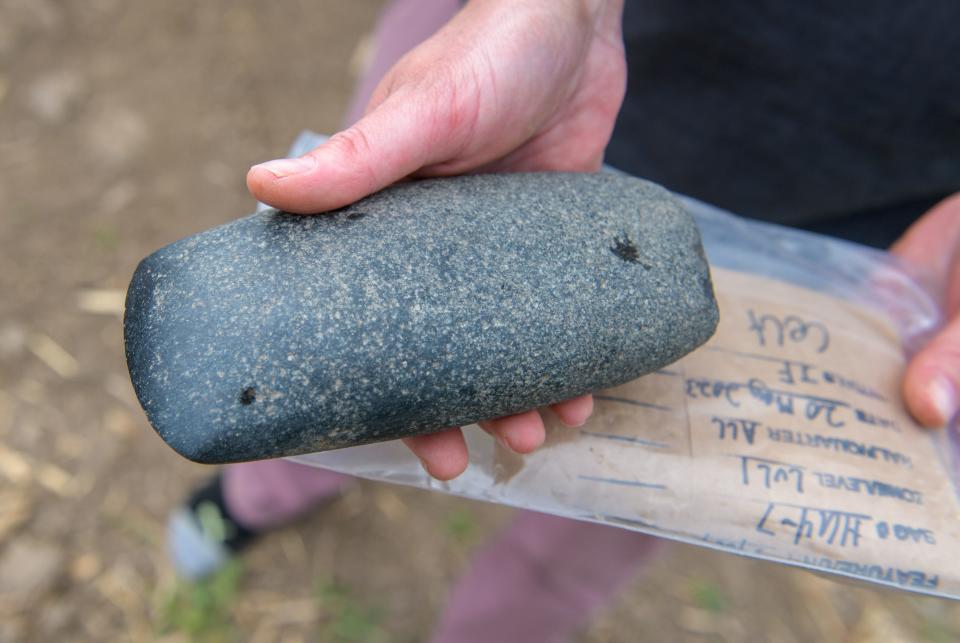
<point x="282" y="168"/>
<point x="576" y="423"/>
<point x="943" y="395"/>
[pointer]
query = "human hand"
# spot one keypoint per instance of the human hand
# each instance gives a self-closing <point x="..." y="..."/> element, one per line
<point x="931" y="385"/>
<point x="504" y="86"/>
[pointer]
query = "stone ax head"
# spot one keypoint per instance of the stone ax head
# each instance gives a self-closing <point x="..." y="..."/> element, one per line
<point x="430" y="304"/>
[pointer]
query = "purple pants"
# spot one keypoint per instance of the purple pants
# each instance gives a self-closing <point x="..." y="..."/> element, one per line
<point x="539" y="580"/>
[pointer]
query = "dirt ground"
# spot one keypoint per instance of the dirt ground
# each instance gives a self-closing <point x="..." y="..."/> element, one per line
<point x="124" y="126"/>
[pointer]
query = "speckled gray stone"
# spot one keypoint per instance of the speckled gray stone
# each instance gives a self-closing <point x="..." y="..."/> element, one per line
<point x="430" y="304"/>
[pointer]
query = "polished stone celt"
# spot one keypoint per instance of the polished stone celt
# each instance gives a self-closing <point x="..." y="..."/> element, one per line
<point x="430" y="304"/>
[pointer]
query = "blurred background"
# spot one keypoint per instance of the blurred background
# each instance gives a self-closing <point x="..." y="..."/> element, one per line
<point x="125" y="126"/>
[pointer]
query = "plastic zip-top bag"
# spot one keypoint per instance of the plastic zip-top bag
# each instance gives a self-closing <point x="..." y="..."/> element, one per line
<point x="783" y="438"/>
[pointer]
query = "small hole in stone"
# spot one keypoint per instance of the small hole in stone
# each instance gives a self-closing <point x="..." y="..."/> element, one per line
<point x="624" y="248"/>
<point x="248" y="395"/>
<point x="356" y="215"/>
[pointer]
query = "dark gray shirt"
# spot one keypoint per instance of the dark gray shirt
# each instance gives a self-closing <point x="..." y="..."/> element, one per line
<point x="837" y="116"/>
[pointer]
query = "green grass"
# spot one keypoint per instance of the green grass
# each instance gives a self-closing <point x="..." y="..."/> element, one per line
<point x="345" y="617"/>
<point x="107" y="238"/>
<point x="202" y="610"/>
<point x="708" y="596"/>
<point x="937" y="632"/>
<point x="461" y="526"/>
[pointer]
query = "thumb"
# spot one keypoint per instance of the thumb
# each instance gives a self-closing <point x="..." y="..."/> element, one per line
<point x="933" y="245"/>
<point x="391" y="142"/>
<point x="931" y="385"/>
